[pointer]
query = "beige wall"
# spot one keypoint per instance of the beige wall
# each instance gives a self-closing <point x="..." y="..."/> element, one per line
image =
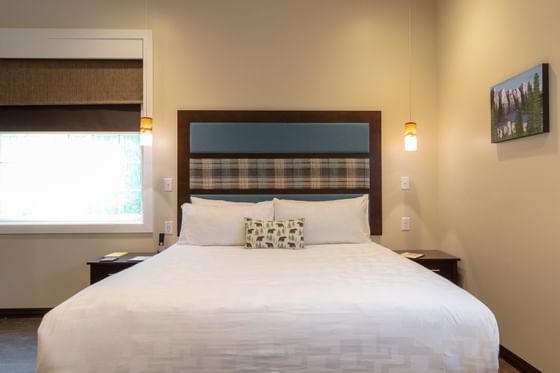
<point x="499" y="202"/>
<point x="494" y="205"/>
<point x="250" y="54"/>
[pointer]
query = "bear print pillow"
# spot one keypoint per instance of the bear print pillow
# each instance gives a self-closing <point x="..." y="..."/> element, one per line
<point x="267" y="234"/>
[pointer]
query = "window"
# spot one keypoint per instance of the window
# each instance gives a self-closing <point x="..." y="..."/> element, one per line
<point x="90" y="87"/>
<point x="81" y="182"/>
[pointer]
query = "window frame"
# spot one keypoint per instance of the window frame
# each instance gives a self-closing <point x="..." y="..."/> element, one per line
<point x="88" y="44"/>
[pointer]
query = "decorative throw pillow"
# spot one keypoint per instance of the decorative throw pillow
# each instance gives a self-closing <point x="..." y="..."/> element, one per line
<point x="275" y="234"/>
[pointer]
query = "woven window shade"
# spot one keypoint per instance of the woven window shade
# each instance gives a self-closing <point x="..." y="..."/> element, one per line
<point x="121" y="118"/>
<point x="70" y="82"/>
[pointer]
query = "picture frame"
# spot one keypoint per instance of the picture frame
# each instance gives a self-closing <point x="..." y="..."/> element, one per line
<point x="519" y="106"/>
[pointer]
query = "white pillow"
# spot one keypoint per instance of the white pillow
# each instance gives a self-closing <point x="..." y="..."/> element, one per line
<point x="220" y="202"/>
<point x="223" y="225"/>
<point x="337" y="221"/>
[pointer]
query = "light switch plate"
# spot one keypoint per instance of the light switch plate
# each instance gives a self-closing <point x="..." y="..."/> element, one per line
<point x="168" y="184"/>
<point x="405" y="223"/>
<point x="405" y="183"/>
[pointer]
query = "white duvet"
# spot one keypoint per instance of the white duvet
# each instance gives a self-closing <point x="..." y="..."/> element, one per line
<point x="327" y="308"/>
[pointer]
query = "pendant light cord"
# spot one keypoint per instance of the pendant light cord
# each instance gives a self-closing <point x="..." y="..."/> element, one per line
<point x="410" y="60"/>
<point x="145" y="14"/>
<point x="146" y="85"/>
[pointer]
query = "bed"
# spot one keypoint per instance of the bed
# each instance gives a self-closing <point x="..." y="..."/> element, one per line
<point x="327" y="308"/>
<point x="330" y="307"/>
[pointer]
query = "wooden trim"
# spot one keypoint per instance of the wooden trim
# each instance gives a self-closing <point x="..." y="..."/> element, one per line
<point x="373" y="118"/>
<point x="14" y="313"/>
<point x="279" y="191"/>
<point x="242" y="116"/>
<point x="375" y="197"/>
<point x="516" y="361"/>
<point x="183" y="163"/>
<point x="276" y="155"/>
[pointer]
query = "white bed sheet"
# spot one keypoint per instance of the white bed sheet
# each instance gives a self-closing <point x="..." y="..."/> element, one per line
<point x="328" y="308"/>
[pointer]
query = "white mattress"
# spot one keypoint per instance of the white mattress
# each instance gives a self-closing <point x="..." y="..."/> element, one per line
<point x="328" y="308"/>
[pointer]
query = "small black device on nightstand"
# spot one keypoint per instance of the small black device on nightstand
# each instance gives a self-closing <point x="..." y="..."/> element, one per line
<point x="161" y="242"/>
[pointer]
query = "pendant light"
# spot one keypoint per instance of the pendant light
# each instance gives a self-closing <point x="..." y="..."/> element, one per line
<point x="145" y="131"/>
<point x="410" y="142"/>
<point x="145" y="120"/>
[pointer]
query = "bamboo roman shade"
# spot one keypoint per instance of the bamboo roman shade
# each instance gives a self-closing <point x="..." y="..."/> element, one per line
<point x="70" y="95"/>
<point x="70" y="82"/>
<point x="120" y="118"/>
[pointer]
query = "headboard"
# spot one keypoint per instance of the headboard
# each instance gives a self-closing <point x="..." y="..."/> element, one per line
<point x="258" y="155"/>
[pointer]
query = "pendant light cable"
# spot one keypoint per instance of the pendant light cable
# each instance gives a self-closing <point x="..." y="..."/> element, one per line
<point x="146" y="125"/>
<point x="410" y="143"/>
<point x="410" y="60"/>
<point x="145" y="80"/>
<point x="145" y="14"/>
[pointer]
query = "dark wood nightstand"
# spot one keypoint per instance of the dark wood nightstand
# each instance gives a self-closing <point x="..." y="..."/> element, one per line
<point x="439" y="262"/>
<point x="99" y="270"/>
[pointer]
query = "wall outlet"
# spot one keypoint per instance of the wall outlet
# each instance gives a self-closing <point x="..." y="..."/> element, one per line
<point x="405" y="223"/>
<point x="168" y="227"/>
<point x="405" y="183"/>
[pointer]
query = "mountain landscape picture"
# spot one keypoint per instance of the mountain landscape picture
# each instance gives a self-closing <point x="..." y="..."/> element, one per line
<point x="519" y="106"/>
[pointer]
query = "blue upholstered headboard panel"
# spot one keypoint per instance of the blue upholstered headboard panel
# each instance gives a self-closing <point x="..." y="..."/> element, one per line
<point x="266" y="138"/>
<point x="259" y="155"/>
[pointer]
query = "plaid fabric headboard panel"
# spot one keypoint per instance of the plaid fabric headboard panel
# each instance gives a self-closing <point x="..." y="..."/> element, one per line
<point x="211" y="174"/>
<point x="256" y="155"/>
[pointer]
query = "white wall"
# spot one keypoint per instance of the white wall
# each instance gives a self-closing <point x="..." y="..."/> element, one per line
<point x="250" y="54"/>
<point x="499" y="202"/>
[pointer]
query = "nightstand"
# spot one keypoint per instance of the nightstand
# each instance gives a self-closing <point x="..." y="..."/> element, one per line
<point x="99" y="270"/>
<point x="439" y="262"/>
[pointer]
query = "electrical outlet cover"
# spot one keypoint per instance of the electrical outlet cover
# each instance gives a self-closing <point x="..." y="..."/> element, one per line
<point x="168" y="227"/>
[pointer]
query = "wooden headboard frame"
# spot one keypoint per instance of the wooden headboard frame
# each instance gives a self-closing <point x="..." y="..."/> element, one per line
<point x="373" y="118"/>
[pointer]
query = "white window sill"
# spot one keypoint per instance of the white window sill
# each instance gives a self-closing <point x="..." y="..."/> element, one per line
<point x="74" y="228"/>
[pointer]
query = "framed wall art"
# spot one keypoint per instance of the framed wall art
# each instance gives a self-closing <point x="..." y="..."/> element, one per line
<point x="519" y="105"/>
